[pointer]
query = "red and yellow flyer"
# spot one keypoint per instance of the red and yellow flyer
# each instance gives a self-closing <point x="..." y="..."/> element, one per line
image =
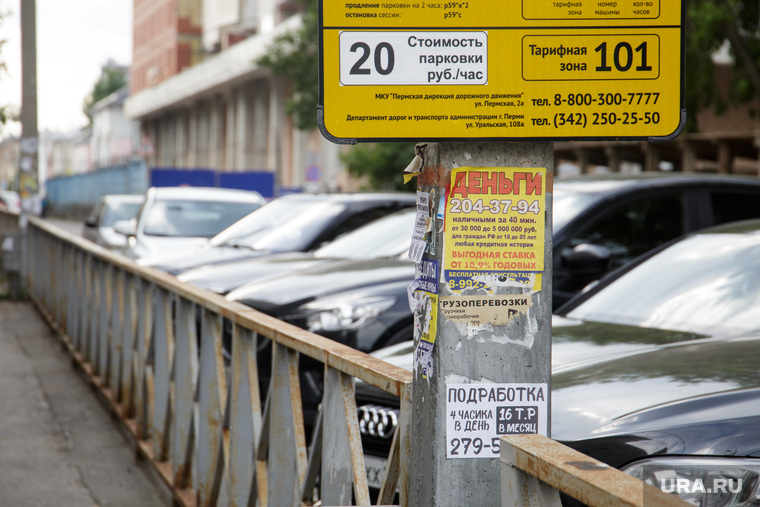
<point x="495" y="225"/>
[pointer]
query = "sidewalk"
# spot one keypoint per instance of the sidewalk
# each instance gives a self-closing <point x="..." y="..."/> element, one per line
<point x="58" y="443"/>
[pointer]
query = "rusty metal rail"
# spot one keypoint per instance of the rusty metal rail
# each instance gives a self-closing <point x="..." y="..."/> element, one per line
<point x="535" y="468"/>
<point x="8" y="220"/>
<point x="153" y="346"/>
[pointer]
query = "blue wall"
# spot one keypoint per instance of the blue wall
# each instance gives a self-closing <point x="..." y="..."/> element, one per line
<point x="261" y="181"/>
<point x="79" y="191"/>
<point x="74" y="196"/>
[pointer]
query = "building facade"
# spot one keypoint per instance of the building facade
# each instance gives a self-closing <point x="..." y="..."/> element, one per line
<point x="114" y="136"/>
<point x="228" y="114"/>
<point x="167" y="38"/>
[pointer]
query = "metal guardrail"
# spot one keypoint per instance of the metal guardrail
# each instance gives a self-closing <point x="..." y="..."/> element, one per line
<point x="153" y="346"/>
<point x="534" y="469"/>
<point x="8" y="221"/>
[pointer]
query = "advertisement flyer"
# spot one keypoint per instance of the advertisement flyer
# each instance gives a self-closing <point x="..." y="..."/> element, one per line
<point x="495" y="228"/>
<point x="424" y="303"/>
<point x="478" y="414"/>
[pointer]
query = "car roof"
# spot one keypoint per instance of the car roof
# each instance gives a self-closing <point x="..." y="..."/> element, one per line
<point x="749" y="227"/>
<point x="353" y="196"/>
<point x="137" y="198"/>
<point x="204" y="194"/>
<point x="609" y="183"/>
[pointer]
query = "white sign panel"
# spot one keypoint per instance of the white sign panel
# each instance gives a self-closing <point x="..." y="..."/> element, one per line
<point x="413" y="58"/>
<point x="417" y="248"/>
<point x="477" y="415"/>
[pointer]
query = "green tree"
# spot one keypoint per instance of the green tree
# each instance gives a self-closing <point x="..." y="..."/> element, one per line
<point x="295" y="56"/>
<point x="709" y="23"/>
<point x="6" y="114"/>
<point x="112" y="78"/>
<point x="382" y="163"/>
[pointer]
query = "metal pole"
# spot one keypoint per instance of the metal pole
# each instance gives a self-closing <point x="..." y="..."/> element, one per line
<point x="27" y="176"/>
<point x="475" y="370"/>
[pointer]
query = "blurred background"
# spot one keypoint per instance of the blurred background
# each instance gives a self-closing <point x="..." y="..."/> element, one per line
<point x="138" y="93"/>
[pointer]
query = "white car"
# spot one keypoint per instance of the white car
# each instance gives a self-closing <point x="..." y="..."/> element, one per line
<point x="99" y="226"/>
<point x="181" y="218"/>
<point x="10" y="201"/>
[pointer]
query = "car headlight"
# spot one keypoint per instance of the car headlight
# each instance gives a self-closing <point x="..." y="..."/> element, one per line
<point x="714" y="482"/>
<point x="341" y="315"/>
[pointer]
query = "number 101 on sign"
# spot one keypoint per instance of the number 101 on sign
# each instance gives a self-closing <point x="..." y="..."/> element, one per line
<point x="413" y="58"/>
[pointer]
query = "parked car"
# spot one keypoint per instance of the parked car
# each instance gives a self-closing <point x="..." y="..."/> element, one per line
<point x="10" y="201"/>
<point x="654" y="370"/>
<point x="98" y="226"/>
<point x="291" y="223"/>
<point x="602" y="222"/>
<point x="586" y="210"/>
<point x="180" y="218"/>
<point x="385" y="238"/>
<point x="340" y="300"/>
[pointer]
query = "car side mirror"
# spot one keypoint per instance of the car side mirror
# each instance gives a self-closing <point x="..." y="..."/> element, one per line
<point x="125" y="227"/>
<point x="91" y="222"/>
<point x="589" y="259"/>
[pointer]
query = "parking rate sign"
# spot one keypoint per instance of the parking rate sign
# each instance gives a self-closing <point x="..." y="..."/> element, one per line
<point x="500" y="69"/>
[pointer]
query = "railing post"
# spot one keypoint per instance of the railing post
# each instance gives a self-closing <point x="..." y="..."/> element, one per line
<point x="185" y="375"/>
<point x="162" y="354"/>
<point x="212" y="401"/>
<point x="287" y="447"/>
<point x="245" y="419"/>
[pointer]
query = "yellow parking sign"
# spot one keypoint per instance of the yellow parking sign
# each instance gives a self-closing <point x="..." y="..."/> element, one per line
<point x="500" y="69"/>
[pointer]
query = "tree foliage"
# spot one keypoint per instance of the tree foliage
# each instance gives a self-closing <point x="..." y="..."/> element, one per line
<point x="112" y="79"/>
<point x="709" y="24"/>
<point x="5" y="112"/>
<point x="383" y="164"/>
<point x="295" y="56"/>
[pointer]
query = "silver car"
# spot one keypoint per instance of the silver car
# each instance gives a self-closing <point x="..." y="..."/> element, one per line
<point x="181" y="218"/>
<point x="98" y="227"/>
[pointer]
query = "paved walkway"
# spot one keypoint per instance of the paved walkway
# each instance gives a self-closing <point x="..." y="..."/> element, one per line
<point x="58" y="444"/>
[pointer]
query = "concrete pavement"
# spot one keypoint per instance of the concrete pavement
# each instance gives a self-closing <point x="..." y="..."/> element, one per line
<point x="58" y="444"/>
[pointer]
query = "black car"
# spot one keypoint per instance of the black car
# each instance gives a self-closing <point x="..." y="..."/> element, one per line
<point x="291" y="223"/>
<point x="602" y="222"/>
<point x="654" y="370"/>
<point x="385" y="238"/>
<point x="595" y="228"/>
<point x="599" y="223"/>
<point x="324" y="290"/>
<point x="340" y="300"/>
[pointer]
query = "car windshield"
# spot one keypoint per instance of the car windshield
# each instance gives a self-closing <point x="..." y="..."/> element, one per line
<point x="200" y="219"/>
<point x="567" y="204"/>
<point x="120" y="211"/>
<point x="386" y="237"/>
<point x="707" y="284"/>
<point x="281" y="225"/>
